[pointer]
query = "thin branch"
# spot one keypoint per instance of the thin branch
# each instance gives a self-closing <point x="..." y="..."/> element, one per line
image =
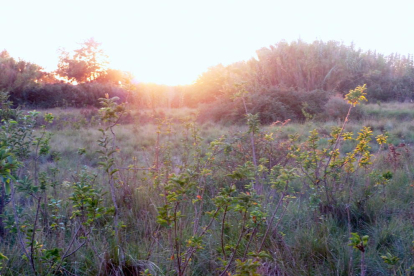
<point x="282" y="196"/>
<point x="34" y="230"/>
<point x="242" y="232"/>
<point x="222" y="233"/>
<point x="19" y="233"/>
<point x="192" y="250"/>
<point x="65" y="255"/>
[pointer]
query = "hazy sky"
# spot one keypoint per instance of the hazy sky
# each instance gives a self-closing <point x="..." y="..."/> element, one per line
<point x="172" y="42"/>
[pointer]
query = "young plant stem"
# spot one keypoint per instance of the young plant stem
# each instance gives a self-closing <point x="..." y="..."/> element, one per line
<point x="113" y="196"/>
<point x="351" y="258"/>
<point x="328" y="198"/>
<point x="257" y="187"/>
<point x="2" y="207"/>
<point x="251" y="137"/>
<point x="67" y="254"/>
<point x="363" y="268"/>
<point x="246" y="250"/>
<point x="223" y="221"/>
<point x="198" y="211"/>
<point x="157" y="152"/>
<point x="348" y="213"/>
<point x="34" y="228"/>
<point x="176" y="241"/>
<point x="192" y="250"/>
<point x="242" y="233"/>
<point x="36" y="178"/>
<point x="19" y="233"/>
<point x="282" y="196"/>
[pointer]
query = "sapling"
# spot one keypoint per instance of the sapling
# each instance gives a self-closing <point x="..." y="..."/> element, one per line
<point x="360" y="243"/>
<point x="20" y="143"/>
<point x="253" y="124"/>
<point x="111" y="112"/>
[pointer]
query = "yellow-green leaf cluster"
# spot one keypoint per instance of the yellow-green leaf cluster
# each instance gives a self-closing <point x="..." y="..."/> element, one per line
<point x="357" y="95"/>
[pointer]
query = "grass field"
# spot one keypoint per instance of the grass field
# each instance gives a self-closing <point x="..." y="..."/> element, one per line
<point x="188" y="198"/>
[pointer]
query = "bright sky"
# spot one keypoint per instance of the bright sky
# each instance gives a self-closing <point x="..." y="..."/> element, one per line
<point x="174" y="41"/>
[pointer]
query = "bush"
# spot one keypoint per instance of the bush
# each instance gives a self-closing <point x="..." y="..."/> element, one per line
<point x="337" y="108"/>
<point x="274" y="104"/>
<point x="66" y="95"/>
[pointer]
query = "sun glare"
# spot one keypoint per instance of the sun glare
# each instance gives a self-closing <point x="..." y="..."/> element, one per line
<point x="173" y="42"/>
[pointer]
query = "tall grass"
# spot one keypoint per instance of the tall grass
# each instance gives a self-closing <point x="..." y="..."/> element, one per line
<point x="304" y="239"/>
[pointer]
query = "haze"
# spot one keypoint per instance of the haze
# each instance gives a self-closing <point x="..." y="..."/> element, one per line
<point x="172" y="42"/>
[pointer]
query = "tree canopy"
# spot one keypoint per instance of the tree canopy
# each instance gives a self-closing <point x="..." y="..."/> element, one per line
<point x="86" y="63"/>
<point x="17" y="74"/>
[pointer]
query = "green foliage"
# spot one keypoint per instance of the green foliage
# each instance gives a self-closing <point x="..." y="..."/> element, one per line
<point x="173" y="197"/>
<point x="111" y="111"/>
<point x="253" y="123"/>
<point x="8" y="164"/>
<point x="87" y="201"/>
<point x="358" y="242"/>
<point x="390" y="259"/>
<point x="6" y="112"/>
<point x="17" y="133"/>
<point x="2" y="259"/>
<point x="307" y="115"/>
<point x="247" y="268"/>
<point x="357" y="95"/>
<point x="325" y="168"/>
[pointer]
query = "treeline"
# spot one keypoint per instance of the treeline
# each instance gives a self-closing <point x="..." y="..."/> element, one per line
<point x="80" y="80"/>
<point x="296" y="80"/>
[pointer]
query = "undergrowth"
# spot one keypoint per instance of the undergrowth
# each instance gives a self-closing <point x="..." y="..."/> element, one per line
<point x="173" y="198"/>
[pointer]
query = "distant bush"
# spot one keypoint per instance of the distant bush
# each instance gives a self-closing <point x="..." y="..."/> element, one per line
<point x="337" y="108"/>
<point x="275" y="104"/>
<point x="65" y="95"/>
<point x="224" y="112"/>
<point x="295" y="80"/>
<point x="272" y="109"/>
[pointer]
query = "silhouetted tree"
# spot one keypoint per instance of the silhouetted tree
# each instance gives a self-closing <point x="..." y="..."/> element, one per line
<point x="86" y="64"/>
<point x="17" y="75"/>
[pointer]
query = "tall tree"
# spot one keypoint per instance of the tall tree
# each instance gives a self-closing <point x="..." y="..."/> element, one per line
<point x="86" y="64"/>
<point x="16" y="75"/>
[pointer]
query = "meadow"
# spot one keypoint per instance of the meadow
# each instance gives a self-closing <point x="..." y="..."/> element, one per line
<point x="122" y="191"/>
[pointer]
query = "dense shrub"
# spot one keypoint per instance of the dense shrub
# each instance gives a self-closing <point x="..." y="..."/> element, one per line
<point x="274" y="104"/>
<point x="337" y="108"/>
<point x="298" y="78"/>
<point x="66" y="95"/>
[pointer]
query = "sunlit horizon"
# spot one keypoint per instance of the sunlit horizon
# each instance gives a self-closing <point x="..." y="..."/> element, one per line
<point x="173" y="43"/>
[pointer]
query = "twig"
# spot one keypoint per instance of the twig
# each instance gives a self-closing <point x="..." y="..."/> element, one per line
<point x="282" y="196"/>
<point x="192" y="250"/>
<point x="19" y="233"/>
<point x="34" y="230"/>
<point x="222" y="233"/>
<point x="65" y="255"/>
<point x="237" y="245"/>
